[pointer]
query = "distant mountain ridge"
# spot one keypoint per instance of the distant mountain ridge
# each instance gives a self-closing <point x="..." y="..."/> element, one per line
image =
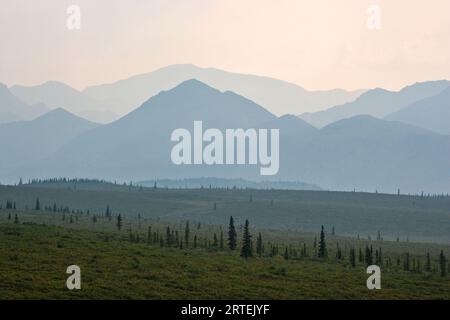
<point x="279" y="97"/>
<point x="362" y="152"/>
<point x="56" y="94"/>
<point x="377" y="102"/>
<point x="25" y="142"/>
<point x="13" y="109"/>
<point x="432" y="113"/>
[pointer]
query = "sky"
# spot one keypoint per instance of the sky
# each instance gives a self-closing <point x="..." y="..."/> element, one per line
<point x="317" y="44"/>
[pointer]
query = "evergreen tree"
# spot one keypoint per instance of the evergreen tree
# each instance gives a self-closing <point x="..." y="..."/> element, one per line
<point x="215" y="241"/>
<point x="322" y="253"/>
<point x="195" y="241"/>
<point x="186" y="234"/>
<point x="37" y="207"/>
<point x="168" y="237"/>
<point x="149" y="235"/>
<point x="443" y="264"/>
<point x="16" y="219"/>
<point x="259" y="245"/>
<point x="246" y="251"/>
<point x="428" y="265"/>
<point x="232" y="235"/>
<point x="119" y="222"/>
<point x="221" y="240"/>
<point x="352" y="257"/>
<point x="286" y="254"/>
<point x="108" y="213"/>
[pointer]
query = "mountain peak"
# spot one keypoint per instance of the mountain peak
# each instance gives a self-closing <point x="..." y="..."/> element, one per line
<point x="61" y="114"/>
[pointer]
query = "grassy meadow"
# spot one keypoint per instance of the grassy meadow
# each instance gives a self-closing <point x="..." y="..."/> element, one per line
<point x="150" y="258"/>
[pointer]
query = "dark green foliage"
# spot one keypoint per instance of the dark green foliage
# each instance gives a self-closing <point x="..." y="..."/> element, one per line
<point x="232" y="235"/>
<point x="246" y="251"/>
<point x="119" y="222"/>
<point x="322" y="252"/>
<point x="259" y="245"/>
<point x="442" y="264"/>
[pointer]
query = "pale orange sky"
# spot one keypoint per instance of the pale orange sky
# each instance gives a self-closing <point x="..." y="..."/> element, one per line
<point x="318" y="44"/>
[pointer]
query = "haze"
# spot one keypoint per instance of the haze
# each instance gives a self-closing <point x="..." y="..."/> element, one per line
<point x="316" y="44"/>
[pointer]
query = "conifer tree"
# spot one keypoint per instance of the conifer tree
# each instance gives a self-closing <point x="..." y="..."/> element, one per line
<point x="259" y="245"/>
<point x="322" y="253"/>
<point x="352" y="257"/>
<point x="221" y="240"/>
<point x="246" y="251"/>
<point x="16" y="219"/>
<point x="186" y="234"/>
<point x="215" y="241"/>
<point x="119" y="222"/>
<point x="443" y="264"/>
<point x="37" y="207"/>
<point x="149" y="235"/>
<point x="286" y="254"/>
<point x="232" y="235"/>
<point x="428" y="265"/>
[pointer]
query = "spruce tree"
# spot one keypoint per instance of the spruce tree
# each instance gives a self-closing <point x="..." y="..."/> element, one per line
<point x="428" y="265"/>
<point x="246" y="251"/>
<point x="186" y="234"/>
<point x="443" y="264"/>
<point x="149" y="235"/>
<point x="352" y="257"/>
<point x="119" y="222"/>
<point x="259" y="245"/>
<point x="232" y="235"/>
<point x="37" y="207"/>
<point x="322" y="253"/>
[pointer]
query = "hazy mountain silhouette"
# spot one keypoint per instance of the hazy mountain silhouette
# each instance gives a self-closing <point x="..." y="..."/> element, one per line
<point x="370" y="154"/>
<point x="13" y="109"/>
<point x="361" y="152"/>
<point x="138" y="145"/>
<point x="26" y="141"/>
<point x="59" y="95"/>
<point x="279" y="97"/>
<point x="432" y="113"/>
<point x="377" y="102"/>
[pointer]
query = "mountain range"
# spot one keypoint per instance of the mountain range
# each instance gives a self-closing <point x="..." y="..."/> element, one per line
<point x="13" y="109"/>
<point x="25" y="142"/>
<point x="279" y="97"/>
<point x="432" y="113"/>
<point x="361" y="152"/>
<point x="377" y="103"/>
<point x="55" y="95"/>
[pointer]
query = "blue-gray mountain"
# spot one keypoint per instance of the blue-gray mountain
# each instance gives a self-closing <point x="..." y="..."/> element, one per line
<point x="377" y="103"/>
<point x="25" y="142"/>
<point x="362" y="153"/>
<point x="432" y="113"/>
<point x="279" y="97"/>
<point x="59" y="95"/>
<point x="13" y="109"/>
